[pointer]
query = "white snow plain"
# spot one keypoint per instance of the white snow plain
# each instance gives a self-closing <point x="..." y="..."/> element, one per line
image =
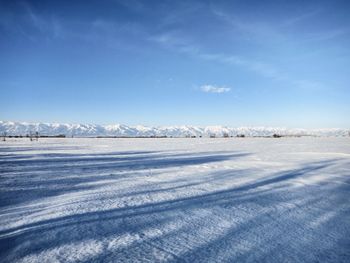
<point x="175" y="200"/>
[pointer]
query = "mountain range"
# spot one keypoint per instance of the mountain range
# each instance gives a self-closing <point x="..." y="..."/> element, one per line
<point x="119" y="130"/>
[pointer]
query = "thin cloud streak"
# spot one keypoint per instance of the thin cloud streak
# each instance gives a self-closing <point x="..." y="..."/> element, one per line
<point x="180" y="44"/>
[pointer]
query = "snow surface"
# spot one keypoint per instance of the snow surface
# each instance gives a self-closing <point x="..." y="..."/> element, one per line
<point x="93" y="130"/>
<point x="176" y="200"/>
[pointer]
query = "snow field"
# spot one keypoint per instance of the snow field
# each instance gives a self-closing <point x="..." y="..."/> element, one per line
<point x="175" y="200"/>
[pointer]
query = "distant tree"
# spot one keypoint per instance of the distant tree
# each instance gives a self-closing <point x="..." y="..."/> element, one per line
<point x="225" y="135"/>
<point x="276" y="136"/>
<point x="4" y="136"/>
<point x="33" y="136"/>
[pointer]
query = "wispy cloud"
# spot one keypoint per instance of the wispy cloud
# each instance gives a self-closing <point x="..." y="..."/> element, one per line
<point x="27" y="22"/>
<point x="183" y="45"/>
<point x="267" y="70"/>
<point x="302" y="17"/>
<point x="254" y="31"/>
<point x="327" y="35"/>
<point x="265" y="32"/>
<point x="214" y="89"/>
<point x="262" y="68"/>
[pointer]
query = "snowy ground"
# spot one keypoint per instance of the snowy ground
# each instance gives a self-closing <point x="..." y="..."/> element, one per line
<point x="182" y="200"/>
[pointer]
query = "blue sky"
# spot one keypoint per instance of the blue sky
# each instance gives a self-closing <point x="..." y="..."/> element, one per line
<point x="234" y="63"/>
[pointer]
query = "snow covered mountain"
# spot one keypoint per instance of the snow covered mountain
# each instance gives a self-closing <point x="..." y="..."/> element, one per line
<point x="93" y="130"/>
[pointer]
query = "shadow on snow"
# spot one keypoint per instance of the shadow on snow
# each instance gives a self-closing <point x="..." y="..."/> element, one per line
<point x="279" y="222"/>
